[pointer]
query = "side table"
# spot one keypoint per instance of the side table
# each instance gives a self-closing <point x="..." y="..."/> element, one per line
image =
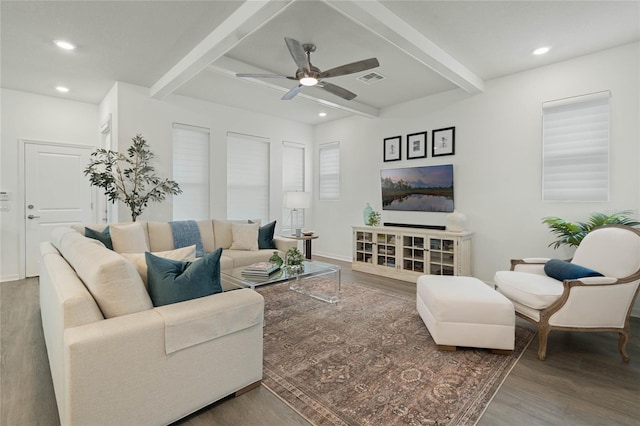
<point x="307" y="243"/>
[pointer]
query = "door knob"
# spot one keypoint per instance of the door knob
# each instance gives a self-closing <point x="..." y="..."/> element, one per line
<point x="33" y="217"/>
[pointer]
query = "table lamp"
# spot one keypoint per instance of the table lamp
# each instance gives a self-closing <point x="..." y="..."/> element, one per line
<point x="296" y="200"/>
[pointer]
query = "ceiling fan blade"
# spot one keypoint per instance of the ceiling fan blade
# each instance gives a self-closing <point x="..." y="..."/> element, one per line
<point x="292" y="93"/>
<point x="337" y="90"/>
<point x="351" y="68"/>
<point x="249" y="75"/>
<point x="297" y="53"/>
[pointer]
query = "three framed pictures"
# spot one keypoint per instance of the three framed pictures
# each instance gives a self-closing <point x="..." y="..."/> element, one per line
<point x="442" y="143"/>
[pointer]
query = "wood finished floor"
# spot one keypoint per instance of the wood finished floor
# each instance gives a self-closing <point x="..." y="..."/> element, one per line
<point x="582" y="382"/>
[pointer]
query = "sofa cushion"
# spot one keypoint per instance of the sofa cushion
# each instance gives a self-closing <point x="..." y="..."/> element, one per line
<point x="173" y="281"/>
<point x="563" y="270"/>
<point x="112" y="280"/>
<point x="247" y="257"/>
<point x="245" y="236"/>
<point x="128" y="238"/>
<point x="187" y="254"/>
<point x="104" y="237"/>
<point x="265" y="236"/>
<point x="533" y="290"/>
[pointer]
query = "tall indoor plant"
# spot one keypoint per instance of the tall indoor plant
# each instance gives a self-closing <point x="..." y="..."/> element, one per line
<point x="571" y="234"/>
<point x="131" y="178"/>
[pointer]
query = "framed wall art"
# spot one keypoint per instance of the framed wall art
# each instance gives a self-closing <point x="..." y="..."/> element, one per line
<point x="392" y="148"/>
<point x="416" y="145"/>
<point x="443" y="142"/>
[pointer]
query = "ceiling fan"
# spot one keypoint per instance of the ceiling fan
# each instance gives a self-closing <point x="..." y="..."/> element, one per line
<point x="309" y="75"/>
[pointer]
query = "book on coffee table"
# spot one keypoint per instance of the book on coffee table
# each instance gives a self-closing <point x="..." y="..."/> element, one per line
<point x="260" y="269"/>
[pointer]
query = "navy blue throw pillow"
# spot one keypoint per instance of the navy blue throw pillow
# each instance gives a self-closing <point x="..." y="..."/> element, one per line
<point x="563" y="270"/>
<point x="265" y="236"/>
<point x="173" y="281"/>
<point x="104" y="237"/>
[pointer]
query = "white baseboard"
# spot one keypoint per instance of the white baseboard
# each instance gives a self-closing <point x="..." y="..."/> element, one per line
<point x="4" y="278"/>
<point x="332" y="256"/>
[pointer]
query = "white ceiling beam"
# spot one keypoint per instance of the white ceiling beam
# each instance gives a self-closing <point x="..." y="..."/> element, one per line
<point x="248" y="18"/>
<point x="229" y="67"/>
<point x="375" y="17"/>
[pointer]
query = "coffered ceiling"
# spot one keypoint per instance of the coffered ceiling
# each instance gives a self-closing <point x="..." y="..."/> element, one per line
<point x="195" y="48"/>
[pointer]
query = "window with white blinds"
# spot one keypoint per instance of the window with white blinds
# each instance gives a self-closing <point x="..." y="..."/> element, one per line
<point x="293" y="171"/>
<point x="575" y="148"/>
<point x="329" y="171"/>
<point x="191" y="171"/>
<point x="247" y="177"/>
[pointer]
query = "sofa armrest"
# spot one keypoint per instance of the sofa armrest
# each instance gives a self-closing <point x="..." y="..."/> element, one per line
<point x="117" y="370"/>
<point x="196" y="321"/>
<point x="284" y="244"/>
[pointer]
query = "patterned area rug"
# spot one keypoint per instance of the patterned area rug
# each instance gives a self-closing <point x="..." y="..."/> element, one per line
<point x="369" y="360"/>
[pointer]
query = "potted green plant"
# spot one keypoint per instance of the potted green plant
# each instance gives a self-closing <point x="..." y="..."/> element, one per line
<point x="131" y="178"/>
<point x="374" y="218"/>
<point x="571" y="234"/>
<point x="294" y="261"/>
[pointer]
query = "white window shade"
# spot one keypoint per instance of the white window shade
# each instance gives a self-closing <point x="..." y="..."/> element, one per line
<point x="191" y="171"/>
<point x="247" y="177"/>
<point x="575" y="148"/>
<point x="329" y="171"/>
<point x="293" y="172"/>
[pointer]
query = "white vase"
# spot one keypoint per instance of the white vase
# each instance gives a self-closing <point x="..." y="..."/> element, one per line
<point x="456" y="221"/>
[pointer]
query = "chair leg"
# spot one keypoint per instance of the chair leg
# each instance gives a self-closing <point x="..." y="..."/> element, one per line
<point x="623" y="339"/>
<point x="543" y="333"/>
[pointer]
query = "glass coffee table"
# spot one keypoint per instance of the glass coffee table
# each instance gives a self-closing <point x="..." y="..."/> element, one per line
<point x="318" y="279"/>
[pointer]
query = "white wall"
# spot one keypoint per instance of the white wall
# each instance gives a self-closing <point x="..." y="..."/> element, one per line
<point x="138" y="113"/>
<point x="497" y="161"/>
<point x="35" y="117"/>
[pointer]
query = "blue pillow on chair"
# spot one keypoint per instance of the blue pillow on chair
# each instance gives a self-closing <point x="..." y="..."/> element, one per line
<point x="562" y="270"/>
<point x="265" y="236"/>
<point x="173" y="281"/>
<point x="104" y="237"/>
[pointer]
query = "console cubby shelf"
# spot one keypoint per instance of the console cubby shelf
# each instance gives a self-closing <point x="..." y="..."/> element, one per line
<point x="406" y="253"/>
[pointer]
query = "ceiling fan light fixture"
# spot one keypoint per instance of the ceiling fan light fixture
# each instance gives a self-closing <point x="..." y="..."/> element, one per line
<point x="308" y="81"/>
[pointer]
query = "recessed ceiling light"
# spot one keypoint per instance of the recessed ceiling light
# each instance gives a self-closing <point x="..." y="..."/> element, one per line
<point x="63" y="44"/>
<point x="322" y="114"/>
<point x="541" y="50"/>
<point x="62" y="89"/>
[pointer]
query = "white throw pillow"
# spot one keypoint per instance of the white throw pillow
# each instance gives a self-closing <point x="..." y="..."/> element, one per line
<point x="223" y="233"/>
<point x="128" y="238"/>
<point x="245" y="236"/>
<point x="185" y="254"/>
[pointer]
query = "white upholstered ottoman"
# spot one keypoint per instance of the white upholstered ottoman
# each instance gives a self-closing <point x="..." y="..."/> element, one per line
<point x="464" y="311"/>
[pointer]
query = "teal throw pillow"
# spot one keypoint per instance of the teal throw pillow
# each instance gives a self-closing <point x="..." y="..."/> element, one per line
<point x="104" y="237"/>
<point x="265" y="236"/>
<point x="563" y="270"/>
<point x="173" y="281"/>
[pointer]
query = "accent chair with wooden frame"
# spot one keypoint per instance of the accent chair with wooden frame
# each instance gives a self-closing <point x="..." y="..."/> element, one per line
<point x="592" y="304"/>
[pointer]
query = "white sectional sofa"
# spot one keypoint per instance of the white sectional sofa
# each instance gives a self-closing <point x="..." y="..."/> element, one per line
<point x="117" y="360"/>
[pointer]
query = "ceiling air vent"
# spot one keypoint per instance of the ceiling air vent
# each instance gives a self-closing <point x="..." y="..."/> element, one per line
<point x="371" y="77"/>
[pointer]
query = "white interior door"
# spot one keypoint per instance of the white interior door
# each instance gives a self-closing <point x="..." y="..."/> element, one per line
<point x="56" y="194"/>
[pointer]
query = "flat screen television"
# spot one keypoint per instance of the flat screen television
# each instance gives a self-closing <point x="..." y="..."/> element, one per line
<point x="423" y="189"/>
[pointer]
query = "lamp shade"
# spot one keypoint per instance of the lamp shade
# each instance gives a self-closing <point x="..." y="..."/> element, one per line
<point x="297" y="200"/>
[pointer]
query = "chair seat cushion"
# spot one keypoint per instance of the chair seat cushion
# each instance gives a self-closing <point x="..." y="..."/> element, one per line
<point x="533" y="290"/>
<point x="563" y="270"/>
